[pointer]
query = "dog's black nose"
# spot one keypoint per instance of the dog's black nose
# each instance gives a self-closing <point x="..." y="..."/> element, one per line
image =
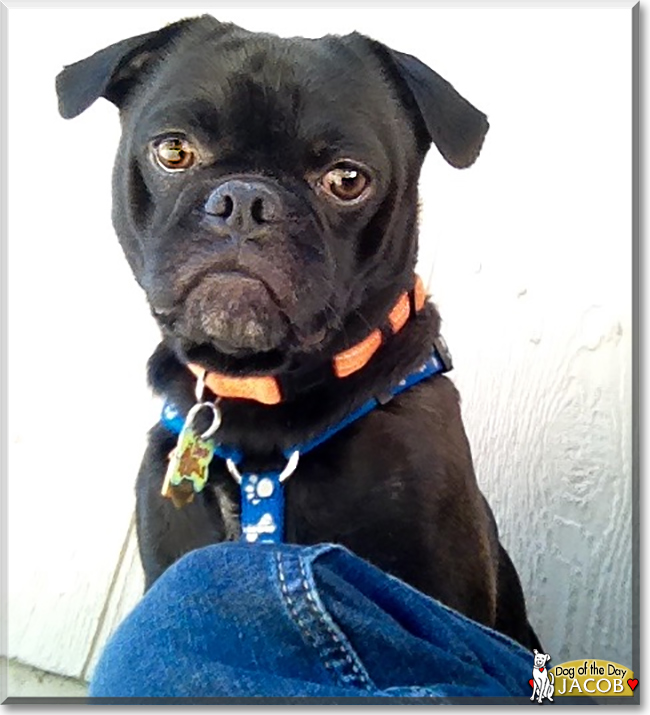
<point x="243" y="207"/>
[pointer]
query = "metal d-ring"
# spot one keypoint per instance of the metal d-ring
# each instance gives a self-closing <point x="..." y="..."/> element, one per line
<point x="234" y="472"/>
<point x="288" y="470"/>
<point x="290" y="467"/>
<point x="216" y="417"/>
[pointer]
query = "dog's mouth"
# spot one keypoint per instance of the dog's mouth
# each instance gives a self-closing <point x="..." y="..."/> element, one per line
<point x="241" y="319"/>
<point x="235" y="312"/>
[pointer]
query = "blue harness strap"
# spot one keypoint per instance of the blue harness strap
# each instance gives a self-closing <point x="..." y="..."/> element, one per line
<point x="262" y="508"/>
<point x="432" y="366"/>
<point x="262" y="495"/>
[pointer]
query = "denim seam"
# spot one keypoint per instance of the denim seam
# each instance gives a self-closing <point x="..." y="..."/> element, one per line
<point x="339" y="638"/>
<point x="317" y="627"/>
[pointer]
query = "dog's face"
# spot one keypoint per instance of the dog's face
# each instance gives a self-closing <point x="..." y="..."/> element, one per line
<point x="540" y="659"/>
<point x="265" y="189"/>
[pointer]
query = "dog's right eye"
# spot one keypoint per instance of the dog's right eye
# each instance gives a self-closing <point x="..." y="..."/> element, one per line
<point x="174" y="153"/>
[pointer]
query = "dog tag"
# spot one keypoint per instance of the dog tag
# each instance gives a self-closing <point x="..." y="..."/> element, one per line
<point x="187" y="472"/>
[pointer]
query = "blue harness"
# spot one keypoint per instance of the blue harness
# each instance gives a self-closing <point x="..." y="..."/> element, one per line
<point x="262" y="495"/>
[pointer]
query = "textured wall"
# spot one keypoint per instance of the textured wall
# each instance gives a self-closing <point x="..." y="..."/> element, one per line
<point x="527" y="254"/>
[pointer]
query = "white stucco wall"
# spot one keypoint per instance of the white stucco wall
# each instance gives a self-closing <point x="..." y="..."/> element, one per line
<point x="527" y="254"/>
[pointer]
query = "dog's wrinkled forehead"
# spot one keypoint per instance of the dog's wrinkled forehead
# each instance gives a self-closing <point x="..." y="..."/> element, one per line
<point x="265" y="82"/>
<point x="251" y="93"/>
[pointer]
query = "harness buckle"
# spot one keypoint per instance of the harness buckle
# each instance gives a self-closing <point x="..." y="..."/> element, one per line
<point x="441" y="348"/>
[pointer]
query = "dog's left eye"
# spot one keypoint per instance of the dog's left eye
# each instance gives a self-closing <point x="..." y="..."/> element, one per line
<point x="174" y="153"/>
<point x="345" y="183"/>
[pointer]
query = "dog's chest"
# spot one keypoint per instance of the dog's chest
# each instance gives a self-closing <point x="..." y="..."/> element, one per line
<point x="364" y="475"/>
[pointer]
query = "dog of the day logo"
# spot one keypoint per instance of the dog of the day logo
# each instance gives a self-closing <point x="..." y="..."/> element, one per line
<point x="542" y="682"/>
<point x="589" y="677"/>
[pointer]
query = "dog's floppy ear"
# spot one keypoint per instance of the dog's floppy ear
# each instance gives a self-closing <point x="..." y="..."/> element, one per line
<point x="441" y="114"/>
<point x="113" y="71"/>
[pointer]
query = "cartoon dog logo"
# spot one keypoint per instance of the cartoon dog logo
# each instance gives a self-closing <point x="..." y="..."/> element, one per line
<point x="543" y="682"/>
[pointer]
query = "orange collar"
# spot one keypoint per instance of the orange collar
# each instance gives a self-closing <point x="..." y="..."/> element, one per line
<point x="267" y="389"/>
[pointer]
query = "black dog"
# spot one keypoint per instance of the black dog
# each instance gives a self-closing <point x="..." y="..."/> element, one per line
<point x="265" y="196"/>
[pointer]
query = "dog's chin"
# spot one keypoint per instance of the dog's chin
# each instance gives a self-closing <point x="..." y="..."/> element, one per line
<point x="236" y="364"/>
<point x="246" y="360"/>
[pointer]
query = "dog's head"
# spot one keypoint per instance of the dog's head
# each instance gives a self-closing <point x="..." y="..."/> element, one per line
<point x="265" y="189"/>
<point x="540" y="659"/>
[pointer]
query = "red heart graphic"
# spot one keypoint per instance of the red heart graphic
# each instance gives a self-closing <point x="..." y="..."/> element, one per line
<point x="532" y="683"/>
<point x="541" y="669"/>
<point x="633" y="683"/>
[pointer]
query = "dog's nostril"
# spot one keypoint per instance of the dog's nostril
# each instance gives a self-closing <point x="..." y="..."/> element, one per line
<point x="225" y="207"/>
<point x="257" y="211"/>
<point x="220" y="204"/>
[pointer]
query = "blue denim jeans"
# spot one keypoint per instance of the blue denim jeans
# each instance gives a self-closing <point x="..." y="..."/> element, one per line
<point x="238" y="620"/>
